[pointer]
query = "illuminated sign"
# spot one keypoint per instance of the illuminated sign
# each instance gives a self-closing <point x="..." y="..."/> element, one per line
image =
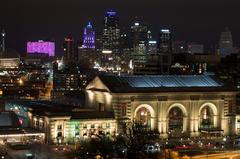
<point x="40" y="46"/>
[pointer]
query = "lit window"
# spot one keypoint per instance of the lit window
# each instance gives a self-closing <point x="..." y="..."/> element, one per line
<point x="59" y="127"/>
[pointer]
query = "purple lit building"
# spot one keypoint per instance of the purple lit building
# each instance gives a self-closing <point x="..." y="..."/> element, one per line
<point x="41" y="47"/>
<point x="89" y="37"/>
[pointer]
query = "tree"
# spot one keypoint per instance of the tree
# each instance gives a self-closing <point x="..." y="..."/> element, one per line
<point x="97" y="145"/>
<point x="134" y="137"/>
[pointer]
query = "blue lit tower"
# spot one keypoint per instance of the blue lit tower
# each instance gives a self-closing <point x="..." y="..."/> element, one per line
<point x="111" y="32"/>
<point x="89" y="37"/>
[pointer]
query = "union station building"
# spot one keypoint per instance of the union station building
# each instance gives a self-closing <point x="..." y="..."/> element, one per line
<point x="188" y="105"/>
<point x="174" y="105"/>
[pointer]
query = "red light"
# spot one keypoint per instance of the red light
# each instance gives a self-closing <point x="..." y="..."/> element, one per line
<point x="184" y="147"/>
<point x="68" y="39"/>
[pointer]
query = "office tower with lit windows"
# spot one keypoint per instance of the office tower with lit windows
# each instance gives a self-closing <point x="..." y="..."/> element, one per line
<point x="125" y="43"/>
<point x="226" y="43"/>
<point x="69" y="49"/>
<point x="165" y="41"/>
<point x="139" y="41"/>
<point x="111" y="32"/>
<point x="89" y="37"/>
<point x="152" y="46"/>
<point x="139" y="35"/>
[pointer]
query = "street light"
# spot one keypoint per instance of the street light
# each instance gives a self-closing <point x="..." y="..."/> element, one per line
<point x="224" y="139"/>
<point x="224" y="142"/>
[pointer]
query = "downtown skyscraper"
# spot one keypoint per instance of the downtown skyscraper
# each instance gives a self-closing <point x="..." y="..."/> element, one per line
<point x="225" y="43"/>
<point x="139" y="35"/>
<point x="69" y="51"/>
<point x="89" y="37"/>
<point x="165" y="41"/>
<point x="111" y="32"/>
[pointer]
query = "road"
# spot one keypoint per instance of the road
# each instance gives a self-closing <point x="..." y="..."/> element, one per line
<point x="40" y="151"/>
<point x="224" y="155"/>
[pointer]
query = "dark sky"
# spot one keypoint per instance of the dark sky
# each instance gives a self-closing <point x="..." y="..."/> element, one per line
<point x="190" y="20"/>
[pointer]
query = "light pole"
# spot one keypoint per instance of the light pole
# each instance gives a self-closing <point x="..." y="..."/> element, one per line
<point x="224" y="143"/>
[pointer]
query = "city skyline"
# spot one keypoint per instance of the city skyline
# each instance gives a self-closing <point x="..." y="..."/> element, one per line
<point x="119" y="79"/>
<point x="200" y="21"/>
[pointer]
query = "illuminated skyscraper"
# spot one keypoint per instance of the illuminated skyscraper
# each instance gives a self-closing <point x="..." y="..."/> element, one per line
<point x="111" y="32"/>
<point x="165" y="41"/>
<point x="139" y="39"/>
<point x="139" y="35"/>
<point x="226" y="43"/>
<point x="68" y="48"/>
<point x="89" y="37"/>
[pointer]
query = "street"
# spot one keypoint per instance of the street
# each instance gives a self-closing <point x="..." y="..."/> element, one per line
<point x="39" y="151"/>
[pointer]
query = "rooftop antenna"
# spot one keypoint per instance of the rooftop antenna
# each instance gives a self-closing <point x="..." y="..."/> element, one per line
<point x="3" y="40"/>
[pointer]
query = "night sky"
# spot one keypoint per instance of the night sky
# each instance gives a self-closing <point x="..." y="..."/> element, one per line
<point x="190" y="20"/>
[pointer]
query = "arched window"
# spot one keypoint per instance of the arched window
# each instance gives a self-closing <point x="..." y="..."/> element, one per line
<point x="175" y="120"/>
<point x="143" y="117"/>
<point x="206" y="118"/>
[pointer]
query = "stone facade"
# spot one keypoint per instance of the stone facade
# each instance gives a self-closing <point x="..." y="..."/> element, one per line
<point x="194" y="106"/>
<point x="63" y="129"/>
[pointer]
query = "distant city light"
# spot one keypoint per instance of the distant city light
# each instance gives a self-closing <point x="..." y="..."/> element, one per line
<point x="152" y="42"/>
<point x="136" y="24"/>
<point x="106" y="51"/>
<point x="131" y="64"/>
<point x="68" y="39"/>
<point x="40" y="46"/>
<point x="3" y="33"/>
<point x="111" y="13"/>
<point x="165" y="30"/>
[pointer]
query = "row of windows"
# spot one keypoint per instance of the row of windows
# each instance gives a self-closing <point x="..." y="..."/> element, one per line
<point x="93" y="126"/>
<point x="38" y="124"/>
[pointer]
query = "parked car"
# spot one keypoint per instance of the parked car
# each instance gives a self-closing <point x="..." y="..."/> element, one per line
<point x="151" y="148"/>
